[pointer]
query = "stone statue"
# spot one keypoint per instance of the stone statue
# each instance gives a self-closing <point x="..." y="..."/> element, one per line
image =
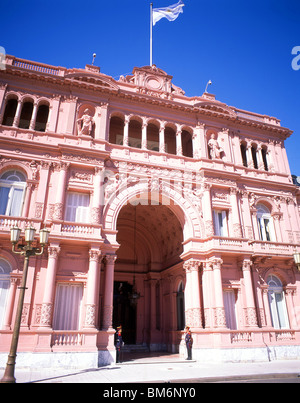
<point x="214" y="148"/>
<point x="85" y="124"/>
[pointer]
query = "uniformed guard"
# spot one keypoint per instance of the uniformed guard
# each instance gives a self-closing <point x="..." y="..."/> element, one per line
<point x="119" y="343"/>
<point x="188" y="342"/>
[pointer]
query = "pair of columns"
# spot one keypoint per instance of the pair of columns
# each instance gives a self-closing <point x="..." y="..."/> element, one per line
<point x="92" y="292"/>
<point x="18" y="113"/>
<point x="213" y="302"/>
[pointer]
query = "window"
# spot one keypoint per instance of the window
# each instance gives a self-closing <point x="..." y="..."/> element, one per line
<point x="277" y="303"/>
<point x="77" y="209"/>
<point x="67" y="307"/>
<point x="244" y="154"/>
<point x="220" y="223"/>
<point x="230" y="311"/>
<point x="12" y="190"/>
<point x="265" y="223"/>
<point x="4" y="288"/>
<point x="10" y="111"/>
<point x="264" y="153"/>
<point x="26" y="115"/>
<point x="254" y="156"/>
<point x="180" y="307"/>
<point x="42" y="118"/>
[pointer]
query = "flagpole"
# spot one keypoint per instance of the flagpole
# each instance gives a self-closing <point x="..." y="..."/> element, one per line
<point x="151" y="34"/>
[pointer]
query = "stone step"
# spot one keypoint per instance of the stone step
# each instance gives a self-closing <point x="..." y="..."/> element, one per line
<point x="135" y="348"/>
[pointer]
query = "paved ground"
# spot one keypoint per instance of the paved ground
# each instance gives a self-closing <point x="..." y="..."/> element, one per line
<point x="164" y="369"/>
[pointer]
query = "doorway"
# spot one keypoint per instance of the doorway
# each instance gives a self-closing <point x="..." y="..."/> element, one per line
<point x="124" y="313"/>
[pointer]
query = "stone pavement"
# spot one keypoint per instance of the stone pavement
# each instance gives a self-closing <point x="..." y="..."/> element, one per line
<point x="161" y="368"/>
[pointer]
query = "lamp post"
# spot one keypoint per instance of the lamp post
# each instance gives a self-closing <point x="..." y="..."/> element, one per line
<point x="26" y="250"/>
<point x="297" y="260"/>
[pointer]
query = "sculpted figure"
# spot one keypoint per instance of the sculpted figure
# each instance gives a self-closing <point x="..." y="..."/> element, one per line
<point x="214" y="148"/>
<point x="85" y="124"/>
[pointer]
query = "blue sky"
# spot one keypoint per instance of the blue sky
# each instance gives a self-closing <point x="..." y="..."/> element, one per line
<point x="244" y="47"/>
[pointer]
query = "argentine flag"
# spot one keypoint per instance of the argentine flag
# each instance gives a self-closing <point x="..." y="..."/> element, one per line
<point x="171" y="12"/>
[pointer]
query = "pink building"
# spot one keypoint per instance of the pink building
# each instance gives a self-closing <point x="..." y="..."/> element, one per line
<point x="163" y="211"/>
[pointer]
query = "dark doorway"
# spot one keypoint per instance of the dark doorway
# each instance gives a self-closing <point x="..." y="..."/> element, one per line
<point x="124" y="313"/>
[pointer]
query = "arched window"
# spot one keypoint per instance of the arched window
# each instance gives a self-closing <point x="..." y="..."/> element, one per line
<point x="265" y="223"/>
<point x="4" y="287"/>
<point x="187" y="144"/>
<point x="42" y="118"/>
<point x="277" y="303"/>
<point x="135" y="134"/>
<point x="244" y="154"/>
<point x="152" y="137"/>
<point x="26" y="115"/>
<point x="12" y="190"/>
<point x="180" y="307"/>
<point x="116" y="130"/>
<point x="10" y="111"/>
<point x="254" y="155"/>
<point x="264" y="152"/>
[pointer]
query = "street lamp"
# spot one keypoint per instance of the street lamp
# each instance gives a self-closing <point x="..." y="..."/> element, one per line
<point x="297" y="260"/>
<point x="26" y="250"/>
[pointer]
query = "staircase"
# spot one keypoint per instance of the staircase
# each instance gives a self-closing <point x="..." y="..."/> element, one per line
<point x="135" y="348"/>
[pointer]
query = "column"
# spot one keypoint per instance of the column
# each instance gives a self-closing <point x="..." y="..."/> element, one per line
<point x="178" y="141"/>
<point x="196" y="143"/>
<point x="97" y="200"/>
<point x="289" y="293"/>
<point x="33" y="117"/>
<point x="260" y="162"/>
<point x="162" y="147"/>
<point x="18" y="114"/>
<point x="250" y="310"/>
<point x="207" y="285"/>
<point x="126" y="131"/>
<point x="207" y="211"/>
<point x="109" y="292"/>
<point x="237" y="229"/>
<point x="93" y="285"/>
<point x="144" y="134"/>
<point x="249" y="155"/>
<point x="3" y="102"/>
<point x="267" y="306"/>
<point x="53" y="114"/>
<point x="10" y="304"/>
<point x="60" y="191"/>
<point x="203" y="151"/>
<point x="153" y="332"/>
<point x="188" y="301"/>
<point x="29" y="189"/>
<point x="49" y="291"/>
<point x="196" y="303"/>
<point x="219" y="310"/>
<point x="277" y="219"/>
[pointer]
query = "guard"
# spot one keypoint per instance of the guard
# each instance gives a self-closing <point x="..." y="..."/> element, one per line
<point x="188" y="342"/>
<point x="119" y="343"/>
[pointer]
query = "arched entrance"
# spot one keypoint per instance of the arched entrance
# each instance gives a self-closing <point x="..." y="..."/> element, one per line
<point x="150" y="239"/>
<point x="150" y="226"/>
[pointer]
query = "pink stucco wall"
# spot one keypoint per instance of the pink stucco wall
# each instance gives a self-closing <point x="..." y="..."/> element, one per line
<point x="168" y="193"/>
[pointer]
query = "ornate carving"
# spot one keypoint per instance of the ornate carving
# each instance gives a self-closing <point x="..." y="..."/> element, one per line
<point x="46" y="314"/>
<point x="90" y="315"/>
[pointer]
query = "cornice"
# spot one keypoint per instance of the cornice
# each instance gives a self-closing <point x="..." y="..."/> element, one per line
<point x="96" y="82"/>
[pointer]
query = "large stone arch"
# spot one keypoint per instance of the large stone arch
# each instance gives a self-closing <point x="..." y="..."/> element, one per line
<point x="185" y="209"/>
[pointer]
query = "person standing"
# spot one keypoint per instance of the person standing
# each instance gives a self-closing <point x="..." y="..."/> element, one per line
<point x="188" y="342"/>
<point x="119" y="343"/>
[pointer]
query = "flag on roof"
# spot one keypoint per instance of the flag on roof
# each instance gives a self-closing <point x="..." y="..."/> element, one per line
<point x="171" y="12"/>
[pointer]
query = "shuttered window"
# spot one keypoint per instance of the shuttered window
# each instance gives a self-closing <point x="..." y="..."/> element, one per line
<point x="67" y="306"/>
<point x="77" y="209"/>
